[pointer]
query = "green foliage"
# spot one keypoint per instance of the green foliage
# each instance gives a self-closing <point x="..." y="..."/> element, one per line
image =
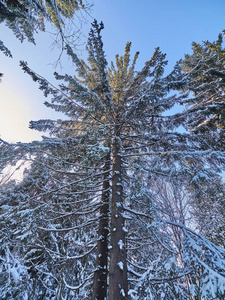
<point x="204" y="77"/>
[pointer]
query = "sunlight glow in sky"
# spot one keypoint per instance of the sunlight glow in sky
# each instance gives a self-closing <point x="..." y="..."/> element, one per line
<point x="14" y="117"/>
<point x="170" y="24"/>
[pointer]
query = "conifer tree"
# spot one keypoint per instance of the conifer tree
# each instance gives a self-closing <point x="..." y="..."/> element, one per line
<point x="24" y="17"/>
<point x="121" y="106"/>
<point x="203" y="72"/>
<point x="93" y="184"/>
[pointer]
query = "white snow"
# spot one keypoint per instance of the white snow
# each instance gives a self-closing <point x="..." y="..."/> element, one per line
<point x="120" y="264"/>
<point x="122" y="292"/>
<point x="14" y="274"/>
<point x="125" y="229"/>
<point x="121" y="244"/>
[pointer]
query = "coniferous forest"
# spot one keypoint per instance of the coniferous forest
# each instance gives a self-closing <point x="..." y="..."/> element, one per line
<point x="123" y="198"/>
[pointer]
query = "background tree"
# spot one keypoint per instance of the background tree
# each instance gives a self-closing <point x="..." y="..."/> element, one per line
<point x="25" y="17"/>
<point x="204" y="79"/>
<point x="203" y="71"/>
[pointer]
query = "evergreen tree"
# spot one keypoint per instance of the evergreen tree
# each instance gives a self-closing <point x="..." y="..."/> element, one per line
<point x="24" y="17"/>
<point x="204" y="79"/>
<point x="91" y="186"/>
<point x="203" y="73"/>
<point x="113" y="109"/>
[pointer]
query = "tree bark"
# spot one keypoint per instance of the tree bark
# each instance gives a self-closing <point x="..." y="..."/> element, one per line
<point x="101" y="272"/>
<point x="118" y="285"/>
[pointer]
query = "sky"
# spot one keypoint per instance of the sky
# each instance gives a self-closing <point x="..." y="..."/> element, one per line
<point x="170" y="24"/>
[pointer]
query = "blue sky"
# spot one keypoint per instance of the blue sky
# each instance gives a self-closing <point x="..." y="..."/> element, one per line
<point x="170" y="24"/>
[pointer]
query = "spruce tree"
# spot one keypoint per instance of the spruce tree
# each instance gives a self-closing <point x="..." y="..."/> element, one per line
<point x="203" y="78"/>
<point x="25" y="17"/>
<point x="113" y="108"/>
<point x="203" y="73"/>
<point x="94" y="190"/>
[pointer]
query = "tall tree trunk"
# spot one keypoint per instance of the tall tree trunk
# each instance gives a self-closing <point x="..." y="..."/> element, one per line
<point x="101" y="272"/>
<point x="118" y="285"/>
